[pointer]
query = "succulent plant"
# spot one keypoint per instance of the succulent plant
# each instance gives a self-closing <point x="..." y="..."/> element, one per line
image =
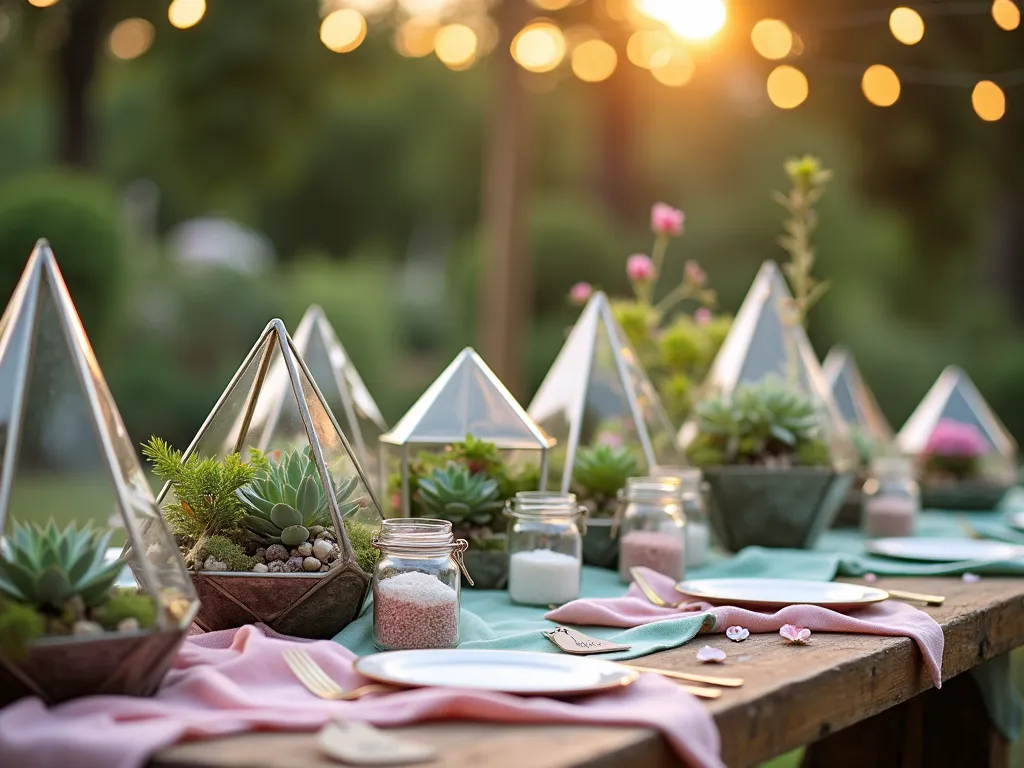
<point x="287" y="499"/>
<point x="47" y="566"/>
<point x="603" y="469"/>
<point x="455" y="494"/>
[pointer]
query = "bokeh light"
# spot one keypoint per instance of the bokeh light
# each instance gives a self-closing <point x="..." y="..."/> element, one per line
<point x="644" y="45"/>
<point x="551" y="5"/>
<point x="539" y="47"/>
<point x="594" y="61"/>
<point x="690" y="19"/>
<point x="1006" y="14"/>
<point x="415" y="38"/>
<point x="988" y="100"/>
<point x="43" y="3"/>
<point x="787" y="87"/>
<point x="772" y="39"/>
<point x="456" y="46"/>
<point x="672" y="67"/>
<point x="881" y="85"/>
<point x="906" y="25"/>
<point x="343" y="31"/>
<point x="130" y="38"/>
<point x="186" y="13"/>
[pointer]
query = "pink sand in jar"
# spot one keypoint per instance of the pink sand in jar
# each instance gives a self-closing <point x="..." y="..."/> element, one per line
<point x="657" y="550"/>
<point x="415" y="610"/>
<point x="889" y="516"/>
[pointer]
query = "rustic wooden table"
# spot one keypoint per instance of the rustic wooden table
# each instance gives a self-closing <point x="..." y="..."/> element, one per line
<point x="859" y="700"/>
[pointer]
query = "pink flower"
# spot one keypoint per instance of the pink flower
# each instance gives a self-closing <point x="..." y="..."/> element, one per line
<point x="580" y="293"/>
<point x="666" y="220"/>
<point x="702" y="316"/>
<point x="640" y="268"/>
<point x="870" y="578"/>
<point x="955" y="438"/>
<point x="607" y="437"/>
<point x="795" y="635"/>
<point x="695" y="274"/>
<point x="707" y="654"/>
<point x="737" y="634"/>
<point x="970" y="578"/>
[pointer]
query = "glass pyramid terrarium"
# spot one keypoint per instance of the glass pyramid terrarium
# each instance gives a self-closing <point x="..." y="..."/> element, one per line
<point x="72" y="494"/>
<point x="966" y="457"/>
<point x="310" y="460"/>
<point x="869" y="428"/>
<point x="767" y="433"/>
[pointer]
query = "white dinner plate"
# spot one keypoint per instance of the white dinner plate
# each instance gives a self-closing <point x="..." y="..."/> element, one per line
<point x="779" y="593"/>
<point x="943" y="550"/>
<point x="521" y="672"/>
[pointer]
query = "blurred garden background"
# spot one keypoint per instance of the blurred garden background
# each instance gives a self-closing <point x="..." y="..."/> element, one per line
<point x="200" y="167"/>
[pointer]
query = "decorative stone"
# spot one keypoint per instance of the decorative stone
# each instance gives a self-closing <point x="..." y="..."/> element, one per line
<point x="324" y="568"/>
<point x="304" y="550"/>
<point x="322" y="550"/>
<point x="310" y="564"/>
<point x="326" y="535"/>
<point x="261" y="552"/>
<point x="316" y="530"/>
<point x="83" y="627"/>
<point x="212" y="564"/>
<point x="276" y="566"/>
<point x="131" y="624"/>
<point x="293" y="565"/>
<point x="260" y="568"/>
<point x="276" y="552"/>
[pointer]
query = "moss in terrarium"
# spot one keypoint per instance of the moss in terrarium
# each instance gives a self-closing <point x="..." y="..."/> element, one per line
<point x="360" y="536"/>
<point x="126" y="604"/>
<point x="20" y="625"/>
<point x="228" y="552"/>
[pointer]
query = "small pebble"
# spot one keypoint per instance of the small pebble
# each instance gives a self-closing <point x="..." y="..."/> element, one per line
<point x="310" y="564"/>
<point x="293" y="565"/>
<point x="324" y="568"/>
<point x="276" y="552"/>
<point x="83" y="627"/>
<point x="260" y="568"/>
<point x="276" y="566"/>
<point x="130" y="624"/>
<point x="212" y="564"/>
<point x="261" y="552"/>
<point x="322" y="550"/>
<point x="304" y="550"/>
<point x="316" y="530"/>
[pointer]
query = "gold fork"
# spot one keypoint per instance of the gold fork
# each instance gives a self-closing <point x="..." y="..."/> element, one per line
<point x="317" y="682"/>
<point x="649" y="592"/>
<point x="724" y="682"/>
<point x="917" y="597"/>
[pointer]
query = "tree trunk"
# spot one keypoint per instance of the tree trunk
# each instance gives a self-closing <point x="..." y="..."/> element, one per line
<point x="615" y="182"/>
<point x="76" y="69"/>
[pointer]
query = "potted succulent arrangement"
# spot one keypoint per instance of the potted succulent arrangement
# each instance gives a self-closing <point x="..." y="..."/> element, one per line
<point x="599" y="473"/>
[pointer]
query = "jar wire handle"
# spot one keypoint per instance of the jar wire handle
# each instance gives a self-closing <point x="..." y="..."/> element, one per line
<point x="461" y="546"/>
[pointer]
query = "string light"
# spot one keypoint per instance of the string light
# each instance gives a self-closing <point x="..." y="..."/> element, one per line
<point x="43" y="3"/>
<point x="906" y="25"/>
<point x="456" y="46"/>
<point x="988" y="101"/>
<point x="415" y="38"/>
<point x="1006" y="14"/>
<point x="787" y="87"/>
<point x="551" y="5"/>
<point x="690" y="19"/>
<point x="186" y="13"/>
<point x="594" y="61"/>
<point x="644" y="45"/>
<point x="673" y="68"/>
<point x="772" y="38"/>
<point x="130" y="38"/>
<point x="539" y="47"/>
<point x="343" y="31"/>
<point x="881" y="85"/>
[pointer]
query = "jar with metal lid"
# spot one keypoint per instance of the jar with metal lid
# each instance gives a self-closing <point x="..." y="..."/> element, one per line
<point x="695" y="511"/>
<point x="545" y="547"/>
<point x="417" y="584"/>
<point x="652" y="527"/>
<point x="892" y="497"/>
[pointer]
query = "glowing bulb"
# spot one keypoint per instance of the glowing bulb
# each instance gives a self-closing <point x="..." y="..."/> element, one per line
<point x="906" y="25"/>
<point x="415" y="38"/>
<point x="130" y="38"/>
<point x="343" y="31"/>
<point x="551" y="5"/>
<point x="43" y="3"/>
<point x="186" y="13"/>
<point x="455" y="45"/>
<point x="690" y="19"/>
<point x="988" y="100"/>
<point x="672" y="68"/>
<point x="594" y="61"/>
<point x="772" y="39"/>
<point x="644" y="45"/>
<point x="1006" y="14"/>
<point x="787" y="87"/>
<point x="881" y="86"/>
<point x="539" y="47"/>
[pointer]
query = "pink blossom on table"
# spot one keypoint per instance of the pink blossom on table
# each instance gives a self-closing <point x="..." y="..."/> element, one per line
<point x="795" y="635"/>
<point x="970" y="578"/>
<point x="710" y="655"/>
<point x="695" y="274"/>
<point x="702" y="316"/>
<point x="580" y="293"/>
<point x="870" y="578"/>
<point x="956" y="438"/>
<point x="737" y="634"/>
<point x="666" y="220"/>
<point x="640" y="268"/>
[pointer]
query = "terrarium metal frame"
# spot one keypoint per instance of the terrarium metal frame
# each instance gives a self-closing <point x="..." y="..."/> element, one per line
<point x="283" y="601"/>
<point x="58" y="668"/>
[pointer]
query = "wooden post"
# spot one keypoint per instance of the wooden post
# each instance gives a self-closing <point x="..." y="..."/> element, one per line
<point x="76" y="69"/>
<point x="507" y="276"/>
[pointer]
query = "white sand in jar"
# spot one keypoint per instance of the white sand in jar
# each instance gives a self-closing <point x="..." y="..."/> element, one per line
<point x="890" y="515"/>
<point x="657" y="550"/>
<point x="698" y="541"/>
<point x="415" y="610"/>
<point x="543" y="577"/>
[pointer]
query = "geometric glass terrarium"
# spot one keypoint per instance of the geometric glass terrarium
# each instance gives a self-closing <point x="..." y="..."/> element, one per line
<point x="774" y="448"/>
<point x="313" y="472"/>
<point x="966" y="457"/>
<point x="71" y="488"/>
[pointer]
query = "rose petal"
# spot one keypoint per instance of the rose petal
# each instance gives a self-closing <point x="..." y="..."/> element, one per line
<point x="707" y="654"/>
<point x="795" y="635"/>
<point x="970" y="578"/>
<point x="870" y="578"/>
<point x="737" y="634"/>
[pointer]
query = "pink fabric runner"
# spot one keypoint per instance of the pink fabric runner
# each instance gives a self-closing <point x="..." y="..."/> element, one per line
<point x="234" y="681"/>
<point x="890" y="618"/>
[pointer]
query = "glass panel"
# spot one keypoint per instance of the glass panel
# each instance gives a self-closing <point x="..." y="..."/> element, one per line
<point x="856" y="403"/>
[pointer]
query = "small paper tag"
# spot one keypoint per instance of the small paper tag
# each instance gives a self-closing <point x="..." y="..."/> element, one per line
<point x="362" y="744"/>
<point x="571" y="641"/>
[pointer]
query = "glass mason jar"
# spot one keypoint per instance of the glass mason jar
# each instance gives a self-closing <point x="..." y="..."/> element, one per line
<point x="417" y="584"/>
<point x="652" y="527"/>
<point x="695" y="511"/>
<point x="892" y="497"/>
<point x="545" y="547"/>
